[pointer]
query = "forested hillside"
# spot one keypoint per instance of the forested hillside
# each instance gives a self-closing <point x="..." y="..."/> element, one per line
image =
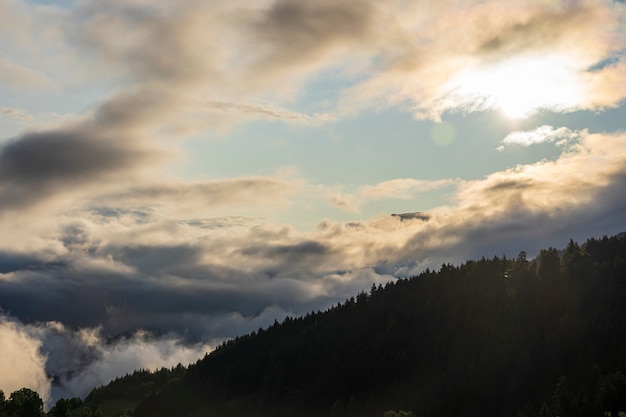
<point x="491" y="337"/>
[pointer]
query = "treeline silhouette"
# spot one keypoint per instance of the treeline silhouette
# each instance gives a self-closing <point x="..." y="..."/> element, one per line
<point x="502" y="337"/>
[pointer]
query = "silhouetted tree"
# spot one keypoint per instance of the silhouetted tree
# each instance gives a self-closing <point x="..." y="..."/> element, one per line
<point x="62" y="408"/>
<point x="91" y="411"/>
<point x="25" y="403"/>
<point x="3" y="403"/>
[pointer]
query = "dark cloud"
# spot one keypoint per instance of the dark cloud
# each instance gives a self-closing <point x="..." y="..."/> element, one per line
<point x="308" y="26"/>
<point x="106" y="213"/>
<point x="59" y="156"/>
<point x="134" y="108"/>
<point x="301" y="260"/>
<point x="298" y="250"/>
<point x="37" y="165"/>
<point x="56" y="295"/>
<point x="168" y="286"/>
<point x="511" y="185"/>
<point x="418" y="215"/>
<point x="151" y="259"/>
<point x="10" y="262"/>
<point x="185" y="288"/>
<point x="222" y="222"/>
<point x="294" y="33"/>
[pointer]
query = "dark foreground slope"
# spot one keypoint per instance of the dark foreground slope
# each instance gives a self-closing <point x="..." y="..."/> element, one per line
<point x="491" y="337"/>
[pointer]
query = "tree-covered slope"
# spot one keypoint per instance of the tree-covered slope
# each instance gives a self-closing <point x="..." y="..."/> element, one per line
<point x="490" y="337"/>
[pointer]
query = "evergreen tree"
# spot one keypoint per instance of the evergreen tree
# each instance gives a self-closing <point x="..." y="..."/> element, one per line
<point x="25" y="403"/>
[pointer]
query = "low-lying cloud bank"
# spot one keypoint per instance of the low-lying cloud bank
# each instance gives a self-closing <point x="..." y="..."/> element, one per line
<point x="59" y="362"/>
<point x="21" y="361"/>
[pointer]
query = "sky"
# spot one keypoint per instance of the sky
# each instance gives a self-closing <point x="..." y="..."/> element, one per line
<point x="174" y="174"/>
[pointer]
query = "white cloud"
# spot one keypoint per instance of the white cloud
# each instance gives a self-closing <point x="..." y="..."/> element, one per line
<point x="59" y="362"/>
<point x="113" y="359"/>
<point x="16" y="75"/>
<point x="518" y="59"/>
<point x="22" y="364"/>
<point x="542" y="134"/>
<point x="267" y="112"/>
<point x="399" y="188"/>
<point x="15" y="113"/>
<point x="403" y="188"/>
<point x="347" y="202"/>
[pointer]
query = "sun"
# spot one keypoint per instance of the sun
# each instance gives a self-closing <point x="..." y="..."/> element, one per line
<point x="519" y="87"/>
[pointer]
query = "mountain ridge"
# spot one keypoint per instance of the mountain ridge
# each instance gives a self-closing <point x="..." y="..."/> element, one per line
<point x="507" y="337"/>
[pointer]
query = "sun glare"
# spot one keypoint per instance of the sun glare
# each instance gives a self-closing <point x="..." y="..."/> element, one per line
<point x="520" y="87"/>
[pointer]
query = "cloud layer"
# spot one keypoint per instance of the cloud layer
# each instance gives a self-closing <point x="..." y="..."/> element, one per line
<point x="21" y="361"/>
<point x="126" y="268"/>
<point x="541" y="134"/>
<point x="409" y="54"/>
<point x="59" y="362"/>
